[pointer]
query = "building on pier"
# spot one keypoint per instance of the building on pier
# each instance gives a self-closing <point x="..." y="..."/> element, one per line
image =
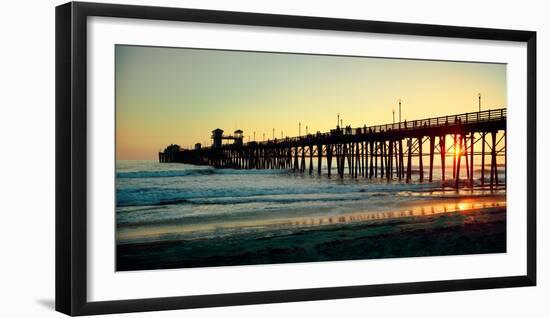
<point x="238" y="137"/>
<point x="218" y="138"/>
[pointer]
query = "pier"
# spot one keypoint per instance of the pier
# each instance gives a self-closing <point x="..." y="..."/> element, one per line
<point x="382" y="151"/>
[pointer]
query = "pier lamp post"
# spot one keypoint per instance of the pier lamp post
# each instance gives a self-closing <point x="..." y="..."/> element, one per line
<point x="299" y="128"/>
<point x="306" y="130"/>
<point x="399" y="110"/>
<point x="393" y="115"/>
<point x="479" y="101"/>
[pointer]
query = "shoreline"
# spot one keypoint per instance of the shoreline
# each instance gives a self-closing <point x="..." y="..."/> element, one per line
<point x="459" y="232"/>
<point x="149" y="233"/>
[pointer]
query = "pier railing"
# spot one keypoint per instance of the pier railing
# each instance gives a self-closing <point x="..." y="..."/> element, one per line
<point x="441" y="121"/>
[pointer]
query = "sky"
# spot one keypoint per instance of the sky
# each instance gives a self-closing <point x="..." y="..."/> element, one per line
<point x="179" y="95"/>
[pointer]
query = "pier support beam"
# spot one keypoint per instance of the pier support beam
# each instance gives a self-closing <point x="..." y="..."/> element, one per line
<point x="396" y="152"/>
<point x="363" y="159"/>
<point x="349" y="156"/>
<point x="319" y="158"/>
<point x="420" y="157"/>
<point x="358" y="157"/>
<point x="329" y="159"/>
<point x="296" y="158"/>
<point x="409" y="160"/>
<point x="337" y="154"/>
<point x="389" y="174"/>
<point x="343" y="159"/>
<point x="454" y="156"/>
<point x="459" y="154"/>
<point x="472" y="137"/>
<point x="303" y="163"/>
<point x="465" y="153"/>
<point x="401" y="161"/>
<point x="494" y="172"/>
<point x="432" y="147"/>
<point x="310" y="159"/>
<point x="371" y="171"/>
<point x="483" y="157"/>
<point x="382" y="158"/>
<point x="442" y="151"/>
<point x="376" y="161"/>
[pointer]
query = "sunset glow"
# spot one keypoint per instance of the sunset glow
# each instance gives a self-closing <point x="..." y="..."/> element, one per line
<point x="170" y="95"/>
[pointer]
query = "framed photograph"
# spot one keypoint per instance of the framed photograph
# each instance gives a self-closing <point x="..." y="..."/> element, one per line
<point x="212" y="158"/>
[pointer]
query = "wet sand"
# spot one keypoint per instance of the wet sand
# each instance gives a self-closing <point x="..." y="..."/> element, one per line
<point x="460" y="228"/>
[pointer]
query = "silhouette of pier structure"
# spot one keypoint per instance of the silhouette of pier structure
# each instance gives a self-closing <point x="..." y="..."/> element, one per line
<point x="382" y="151"/>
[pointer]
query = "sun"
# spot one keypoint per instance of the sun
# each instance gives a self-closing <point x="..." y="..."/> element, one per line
<point x="457" y="151"/>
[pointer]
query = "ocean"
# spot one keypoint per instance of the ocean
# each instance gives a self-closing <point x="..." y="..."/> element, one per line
<point x="158" y="202"/>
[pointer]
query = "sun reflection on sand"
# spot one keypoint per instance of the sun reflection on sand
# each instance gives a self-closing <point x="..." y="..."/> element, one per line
<point x="420" y="209"/>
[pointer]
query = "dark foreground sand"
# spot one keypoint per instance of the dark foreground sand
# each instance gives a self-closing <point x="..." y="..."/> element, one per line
<point x="468" y="232"/>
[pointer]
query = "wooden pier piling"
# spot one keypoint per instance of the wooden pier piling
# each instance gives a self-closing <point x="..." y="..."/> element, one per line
<point x="432" y="150"/>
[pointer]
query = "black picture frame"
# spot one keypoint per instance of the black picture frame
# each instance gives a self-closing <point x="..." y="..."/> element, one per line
<point x="71" y="157"/>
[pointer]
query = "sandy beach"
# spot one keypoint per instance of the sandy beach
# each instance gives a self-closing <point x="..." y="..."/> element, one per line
<point x="464" y="229"/>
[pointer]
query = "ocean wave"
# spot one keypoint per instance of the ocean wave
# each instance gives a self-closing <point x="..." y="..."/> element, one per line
<point x="164" y="173"/>
<point x="194" y="172"/>
<point x="254" y="199"/>
<point x="171" y="196"/>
